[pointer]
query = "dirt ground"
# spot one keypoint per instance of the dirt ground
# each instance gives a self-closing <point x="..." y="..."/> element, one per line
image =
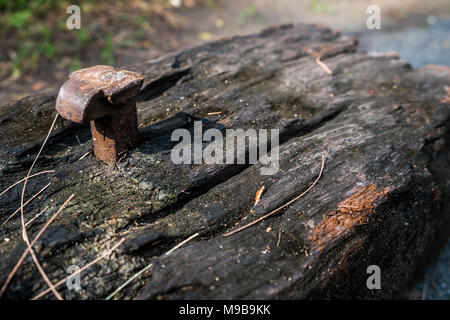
<point x="139" y="31"/>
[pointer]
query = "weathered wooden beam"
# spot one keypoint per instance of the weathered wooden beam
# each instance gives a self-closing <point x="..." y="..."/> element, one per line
<point x="382" y="199"/>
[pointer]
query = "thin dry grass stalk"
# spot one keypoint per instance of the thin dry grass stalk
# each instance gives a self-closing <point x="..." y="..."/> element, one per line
<point x="16" y="183"/>
<point x="22" y="220"/>
<point x="36" y="238"/>
<point x="36" y="216"/>
<point x="279" y="208"/>
<point x="26" y="203"/>
<point x="137" y="274"/>
<point x="104" y="255"/>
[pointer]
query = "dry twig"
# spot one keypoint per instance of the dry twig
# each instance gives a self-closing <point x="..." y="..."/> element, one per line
<point x="214" y="113"/>
<point x="323" y="65"/>
<point x="84" y="155"/>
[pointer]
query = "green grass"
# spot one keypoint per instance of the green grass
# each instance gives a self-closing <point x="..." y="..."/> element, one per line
<point x="19" y="19"/>
<point x="31" y="27"/>
<point x="249" y="12"/>
<point x="107" y="52"/>
<point x="46" y="48"/>
<point x="83" y="37"/>
<point x="34" y="33"/>
<point x="321" y="7"/>
<point x="74" y="65"/>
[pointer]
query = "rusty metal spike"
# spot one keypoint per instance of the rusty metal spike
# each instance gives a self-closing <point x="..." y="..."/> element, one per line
<point x="106" y="98"/>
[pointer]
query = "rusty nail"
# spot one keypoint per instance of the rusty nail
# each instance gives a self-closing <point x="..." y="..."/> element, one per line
<point x="107" y="98"/>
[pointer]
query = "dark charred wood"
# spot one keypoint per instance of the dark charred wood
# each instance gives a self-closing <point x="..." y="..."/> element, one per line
<point x="382" y="200"/>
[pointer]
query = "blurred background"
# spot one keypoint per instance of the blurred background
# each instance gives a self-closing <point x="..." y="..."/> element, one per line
<point x="38" y="51"/>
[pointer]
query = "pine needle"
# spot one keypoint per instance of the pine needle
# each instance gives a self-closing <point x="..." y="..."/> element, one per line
<point x="22" y="219"/>
<point x="148" y="267"/>
<point x="279" y="208"/>
<point x="16" y="183"/>
<point x="26" y="203"/>
<point x="104" y="255"/>
<point x="25" y="253"/>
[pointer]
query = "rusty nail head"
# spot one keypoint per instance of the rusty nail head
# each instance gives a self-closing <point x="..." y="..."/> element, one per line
<point x="106" y="98"/>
